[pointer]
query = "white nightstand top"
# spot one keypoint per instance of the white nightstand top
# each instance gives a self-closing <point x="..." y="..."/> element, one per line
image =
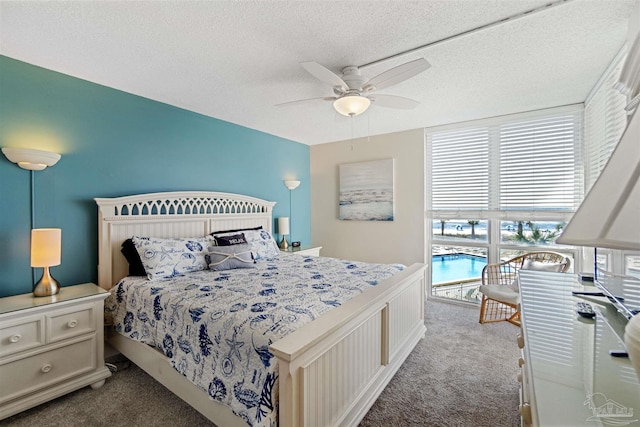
<point x="67" y="293"/>
<point x="301" y="248"/>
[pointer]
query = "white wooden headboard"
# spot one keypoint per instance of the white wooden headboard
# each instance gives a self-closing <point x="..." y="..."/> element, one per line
<point x="171" y="214"/>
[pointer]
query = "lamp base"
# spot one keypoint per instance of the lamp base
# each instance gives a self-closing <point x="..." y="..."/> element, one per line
<point x="284" y="244"/>
<point x="47" y="285"/>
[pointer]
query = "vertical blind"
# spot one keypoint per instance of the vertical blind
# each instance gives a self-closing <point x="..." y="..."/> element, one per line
<point x="528" y="162"/>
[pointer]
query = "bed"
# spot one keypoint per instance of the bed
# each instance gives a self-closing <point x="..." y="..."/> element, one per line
<point x="330" y="370"/>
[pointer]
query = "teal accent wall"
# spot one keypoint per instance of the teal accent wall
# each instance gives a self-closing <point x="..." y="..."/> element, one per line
<point x="114" y="144"/>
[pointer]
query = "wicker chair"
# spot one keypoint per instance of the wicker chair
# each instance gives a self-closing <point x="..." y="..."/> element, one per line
<point x="500" y="294"/>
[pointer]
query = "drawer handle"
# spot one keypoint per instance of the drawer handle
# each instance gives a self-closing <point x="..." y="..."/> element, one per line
<point x="46" y="368"/>
<point x="520" y="341"/>
<point x="72" y="323"/>
<point x="15" y="338"/>
<point x="525" y="413"/>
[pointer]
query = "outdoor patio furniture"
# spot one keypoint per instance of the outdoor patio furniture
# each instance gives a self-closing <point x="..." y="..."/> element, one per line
<point x="500" y="293"/>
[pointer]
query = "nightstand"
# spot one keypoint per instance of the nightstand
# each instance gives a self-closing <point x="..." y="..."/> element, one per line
<point x="304" y="250"/>
<point x="50" y="346"/>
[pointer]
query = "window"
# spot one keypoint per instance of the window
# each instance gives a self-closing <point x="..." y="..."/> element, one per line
<point x="500" y="187"/>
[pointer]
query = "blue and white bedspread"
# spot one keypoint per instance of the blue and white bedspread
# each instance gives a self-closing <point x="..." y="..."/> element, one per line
<point x="215" y="327"/>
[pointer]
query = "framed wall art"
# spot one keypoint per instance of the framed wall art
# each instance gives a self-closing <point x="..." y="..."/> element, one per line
<point x="366" y="191"/>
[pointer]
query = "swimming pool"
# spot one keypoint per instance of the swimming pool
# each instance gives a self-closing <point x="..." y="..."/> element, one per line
<point x="449" y="268"/>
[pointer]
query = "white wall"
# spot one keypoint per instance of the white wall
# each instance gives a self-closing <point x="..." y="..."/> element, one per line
<point x="401" y="240"/>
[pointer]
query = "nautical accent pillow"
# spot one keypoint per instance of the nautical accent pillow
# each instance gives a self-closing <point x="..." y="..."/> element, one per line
<point x="230" y="257"/>
<point x="261" y="243"/>
<point x="233" y="239"/>
<point x="164" y="258"/>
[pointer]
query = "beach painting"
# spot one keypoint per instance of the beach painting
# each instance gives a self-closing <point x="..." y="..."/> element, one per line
<point x="366" y="191"/>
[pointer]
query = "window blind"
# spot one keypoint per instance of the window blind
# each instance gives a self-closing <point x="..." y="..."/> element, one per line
<point x="605" y="121"/>
<point x="528" y="162"/>
<point x="459" y="172"/>
<point x="539" y="167"/>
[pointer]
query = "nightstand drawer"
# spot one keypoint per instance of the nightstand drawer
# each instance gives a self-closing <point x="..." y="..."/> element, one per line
<point x="64" y="324"/>
<point x="23" y="335"/>
<point x="27" y="374"/>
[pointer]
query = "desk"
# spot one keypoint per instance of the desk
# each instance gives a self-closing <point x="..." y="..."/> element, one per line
<point x="568" y="377"/>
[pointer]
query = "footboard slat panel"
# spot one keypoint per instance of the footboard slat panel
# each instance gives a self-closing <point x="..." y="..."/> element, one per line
<point x="332" y="370"/>
<point x="336" y="378"/>
<point x="404" y="315"/>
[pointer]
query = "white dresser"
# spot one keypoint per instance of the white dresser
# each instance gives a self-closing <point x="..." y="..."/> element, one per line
<point x="568" y="378"/>
<point x="50" y="346"/>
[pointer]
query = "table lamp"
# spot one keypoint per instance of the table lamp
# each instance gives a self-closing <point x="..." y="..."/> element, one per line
<point x="283" y="228"/>
<point x="46" y="252"/>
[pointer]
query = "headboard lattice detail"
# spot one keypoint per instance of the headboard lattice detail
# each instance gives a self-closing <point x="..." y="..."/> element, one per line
<point x="159" y="204"/>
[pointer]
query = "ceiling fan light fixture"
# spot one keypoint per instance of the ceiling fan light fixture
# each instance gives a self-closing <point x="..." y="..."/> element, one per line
<point x="351" y="105"/>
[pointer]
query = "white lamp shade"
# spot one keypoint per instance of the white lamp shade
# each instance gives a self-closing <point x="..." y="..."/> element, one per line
<point x="351" y="105"/>
<point x="29" y="159"/>
<point x="45" y="247"/>
<point x="283" y="225"/>
<point x="609" y="215"/>
<point x="291" y="184"/>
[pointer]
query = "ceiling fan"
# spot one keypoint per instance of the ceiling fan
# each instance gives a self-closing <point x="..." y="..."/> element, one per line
<point x="354" y="93"/>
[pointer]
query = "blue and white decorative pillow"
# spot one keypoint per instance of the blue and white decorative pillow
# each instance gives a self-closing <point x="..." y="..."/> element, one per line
<point x="164" y="258"/>
<point x="261" y="243"/>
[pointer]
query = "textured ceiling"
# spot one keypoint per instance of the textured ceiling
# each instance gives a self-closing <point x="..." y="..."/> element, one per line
<point x="236" y="60"/>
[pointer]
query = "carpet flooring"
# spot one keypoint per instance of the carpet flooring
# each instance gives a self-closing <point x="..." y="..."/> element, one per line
<point x="461" y="374"/>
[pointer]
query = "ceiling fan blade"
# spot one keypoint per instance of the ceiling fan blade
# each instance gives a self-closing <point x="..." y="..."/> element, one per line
<point x="397" y="74"/>
<point x="393" y="101"/>
<point x="308" y="100"/>
<point x="325" y="75"/>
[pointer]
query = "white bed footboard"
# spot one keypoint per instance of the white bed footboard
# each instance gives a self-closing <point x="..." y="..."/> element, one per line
<point x="333" y="369"/>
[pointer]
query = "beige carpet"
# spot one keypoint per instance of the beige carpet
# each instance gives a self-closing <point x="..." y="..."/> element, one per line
<point x="461" y="374"/>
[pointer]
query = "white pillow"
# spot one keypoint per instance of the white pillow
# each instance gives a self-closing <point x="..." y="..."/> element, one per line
<point x="164" y="258"/>
<point x="261" y="243"/>
<point x="530" y="264"/>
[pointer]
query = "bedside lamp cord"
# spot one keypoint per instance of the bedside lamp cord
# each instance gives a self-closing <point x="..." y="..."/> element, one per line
<point x="33" y="220"/>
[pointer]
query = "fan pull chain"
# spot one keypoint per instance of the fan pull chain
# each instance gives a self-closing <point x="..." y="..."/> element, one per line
<point x="352" y="132"/>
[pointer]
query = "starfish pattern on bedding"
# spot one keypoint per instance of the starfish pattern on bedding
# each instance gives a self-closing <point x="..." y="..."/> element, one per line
<point x="234" y="345"/>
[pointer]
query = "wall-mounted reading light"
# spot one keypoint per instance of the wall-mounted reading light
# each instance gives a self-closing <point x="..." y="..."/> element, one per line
<point x="34" y="160"/>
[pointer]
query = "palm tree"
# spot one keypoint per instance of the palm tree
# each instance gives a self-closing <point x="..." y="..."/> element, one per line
<point x="473" y="228"/>
<point x="537" y="236"/>
<point x="442" y="221"/>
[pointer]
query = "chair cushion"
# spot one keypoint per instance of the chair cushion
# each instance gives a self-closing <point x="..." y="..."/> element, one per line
<point x="500" y="293"/>
<point x="530" y="264"/>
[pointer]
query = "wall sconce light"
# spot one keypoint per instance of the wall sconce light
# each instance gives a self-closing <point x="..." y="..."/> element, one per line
<point x="34" y="160"/>
<point x="291" y="184"/>
<point x="46" y="252"/>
